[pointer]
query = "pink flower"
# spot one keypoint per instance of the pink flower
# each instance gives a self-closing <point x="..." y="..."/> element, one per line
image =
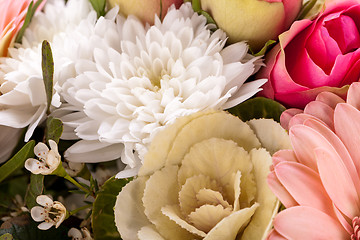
<point x="315" y="55"/>
<point x="12" y="14"/>
<point x="318" y="181"/>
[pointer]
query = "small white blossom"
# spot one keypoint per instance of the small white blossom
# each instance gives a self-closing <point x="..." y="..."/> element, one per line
<point x="53" y="213"/>
<point x="76" y="234"/>
<point x="48" y="162"/>
<point x="73" y="168"/>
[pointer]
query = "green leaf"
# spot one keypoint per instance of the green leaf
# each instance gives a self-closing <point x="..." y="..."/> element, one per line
<point x="103" y="220"/>
<point x="99" y="6"/>
<point x="30" y="13"/>
<point x="17" y="161"/>
<point x="54" y="129"/>
<point x="24" y="228"/>
<point x="36" y="187"/>
<point x="306" y="8"/>
<point x="258" y="107"/>
<point x="6" y="236"/>
<point x="47" y="65"/>
<point x="265" y="48"/>
<point x="196" y="5"/>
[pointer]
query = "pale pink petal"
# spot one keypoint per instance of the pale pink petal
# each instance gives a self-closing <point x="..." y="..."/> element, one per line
<point x="274" y="235"/>
<point x="339" y="147"/>
<point x="329" y="98"/>
<point x="342" y="220"/>
<point x="278" y="189"/>
<point x="337" y="182"/>
<point x="304" y="185"/>
<point x="287" y="115"/>
<point x="304" y="141"/>
<point x="285" y="155"/>
<point x="321" y="111"/>
<point x="299" y="119"/>
<point x="347" y="127"/>
<point x="300" y="223"/>
<point x="353" y="97"/>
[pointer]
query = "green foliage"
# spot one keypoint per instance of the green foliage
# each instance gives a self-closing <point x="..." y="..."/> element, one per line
<point x="47" y="65"/>
<point x="103" y="220"/>
<point x="30" y="13"/>
<point x="306" y="9"/>
<point x="265" y="48"/>
<point x="24" y="228"/>
<point x="17" y="161"/>
<point x="35" y="188"/>
<point x="54" y="129"/>
<point x="99" y="6"/>
<point x="6" y="236"/>
<point x="258" y="107"/>
<point x="197" y="8"/>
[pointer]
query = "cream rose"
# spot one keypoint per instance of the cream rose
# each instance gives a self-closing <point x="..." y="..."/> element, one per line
<point x="204" y="177"/>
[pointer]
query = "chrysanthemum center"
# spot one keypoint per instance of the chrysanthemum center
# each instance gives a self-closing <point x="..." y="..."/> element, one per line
<point x="356" y="229"/>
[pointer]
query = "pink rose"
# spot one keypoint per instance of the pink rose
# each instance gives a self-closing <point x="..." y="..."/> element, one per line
<point x="315" y="55"/>
<point x="12" y="14"/>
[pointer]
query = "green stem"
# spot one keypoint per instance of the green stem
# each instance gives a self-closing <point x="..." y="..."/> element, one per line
<point x="73" y="181"/>
<point x="79" y="209"/>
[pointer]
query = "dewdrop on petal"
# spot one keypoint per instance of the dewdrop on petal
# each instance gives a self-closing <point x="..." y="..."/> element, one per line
<point x="52" y="213"/>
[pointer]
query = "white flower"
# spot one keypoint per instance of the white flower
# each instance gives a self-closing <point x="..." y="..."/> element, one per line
<point x="73" y="168"/>
<point x="48" y="162"/>
<point x="53" y="213"/>
<point x="22" y="92"/>
<point x="125" y="95"/>
<point x="76" y="234"/>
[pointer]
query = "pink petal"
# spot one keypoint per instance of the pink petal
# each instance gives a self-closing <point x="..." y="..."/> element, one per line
<point x="285" y="155"/>
<point x="278" y="189"/>
<point x="321" y="111"/>
<point x="304" y="185"/>
<point x="287" y="115"/>
<point x="337" y="182"/>
<point x="329" y="98"/>
<point x="300" y="223"/>
<point x="353" y="97"/>
<point x="301" y="98"/>
<point x="299" y="119"/>
<point x="339" y="147"/>
<point x="342" y="220"/>
<point x="347" y="127"/>
<point x="304" y="141"/>
<point x="274" y="235"/>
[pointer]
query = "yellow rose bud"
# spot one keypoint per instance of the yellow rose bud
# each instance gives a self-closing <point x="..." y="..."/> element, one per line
<point x="255" y="21"/>
<point x="144" y="10"/>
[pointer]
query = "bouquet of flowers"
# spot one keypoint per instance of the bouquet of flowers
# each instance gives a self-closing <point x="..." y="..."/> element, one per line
<point x="176" y="120"/>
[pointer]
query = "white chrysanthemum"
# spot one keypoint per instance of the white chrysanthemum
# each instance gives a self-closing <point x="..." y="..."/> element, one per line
<point x="174" y="68"/>
<point x="67" y="27"/>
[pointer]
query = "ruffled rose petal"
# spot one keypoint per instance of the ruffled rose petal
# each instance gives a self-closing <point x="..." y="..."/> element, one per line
<point x="261" y="221"/>
<point x="209" y="155"/>
<point x="161" y="190"/>
<point x="129" y="209"/>
<point x="270" y="134"/>
<point x="148" y="232"/>
<point x="229" y="227"/>
<point x="202" y="128"/>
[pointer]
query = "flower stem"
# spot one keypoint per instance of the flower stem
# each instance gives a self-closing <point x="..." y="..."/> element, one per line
<point x="73" y="181"/>
<point x="79" y="209"/>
